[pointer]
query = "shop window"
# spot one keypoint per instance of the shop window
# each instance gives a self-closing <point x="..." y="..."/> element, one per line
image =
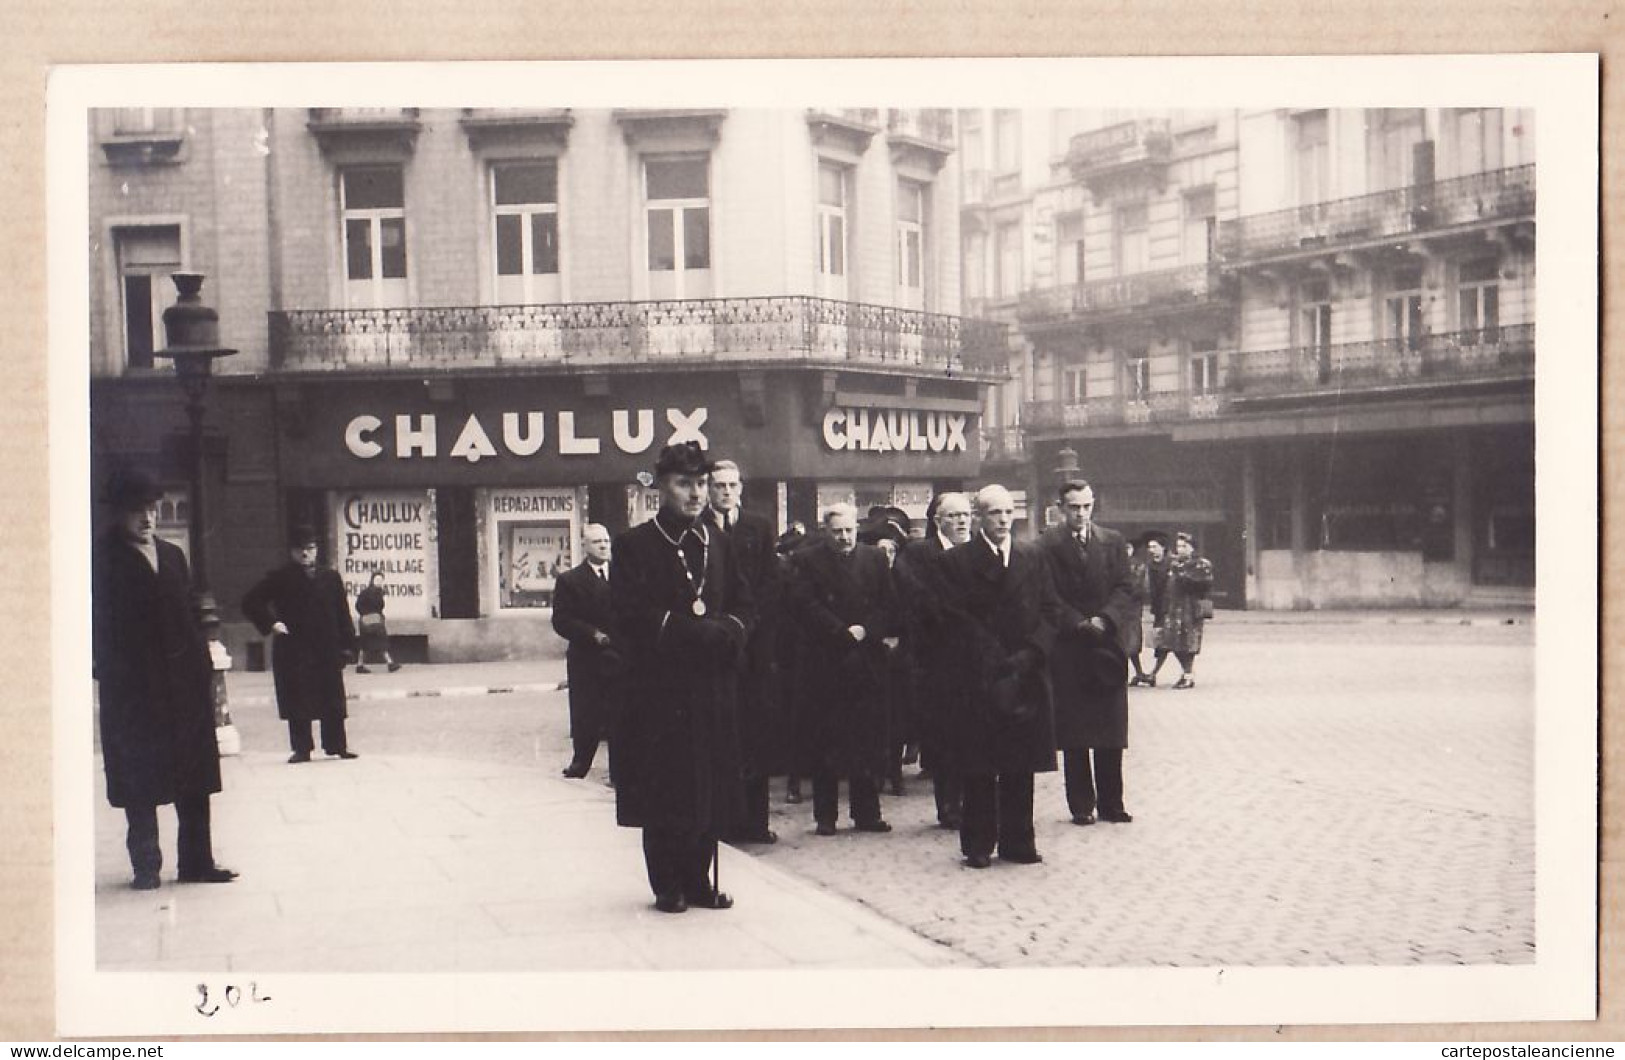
<point x="832" y="230"/>
<point x="525" y="213"/>
<point x="911" y="214"/>
<point x="373" y="201"/>
<point x="1478" y="301"/>
<point x="535" y="533"/>
<point x="677" y="207"/>
<point x="145" y="258"/>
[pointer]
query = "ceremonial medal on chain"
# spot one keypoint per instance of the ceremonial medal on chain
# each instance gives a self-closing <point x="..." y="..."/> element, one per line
<point x="697" y="584"/>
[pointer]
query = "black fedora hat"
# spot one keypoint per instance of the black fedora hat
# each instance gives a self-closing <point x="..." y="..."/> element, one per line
<point x="129" y="488"/>
<point x="685" y="459"/>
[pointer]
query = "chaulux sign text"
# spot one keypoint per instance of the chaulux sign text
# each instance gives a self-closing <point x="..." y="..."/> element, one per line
<point x="890" y="431"/>
<point x="522" y="434"/>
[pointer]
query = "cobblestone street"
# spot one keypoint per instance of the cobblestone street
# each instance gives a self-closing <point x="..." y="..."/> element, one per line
<point x="1326" y="795"/>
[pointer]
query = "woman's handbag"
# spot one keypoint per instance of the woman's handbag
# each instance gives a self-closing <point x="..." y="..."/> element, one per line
<point x="1204" y="608"/>
<point x="372" y="622"/>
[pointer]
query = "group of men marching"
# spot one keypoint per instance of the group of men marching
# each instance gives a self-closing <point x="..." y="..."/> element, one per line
<point x="713" y="655"/>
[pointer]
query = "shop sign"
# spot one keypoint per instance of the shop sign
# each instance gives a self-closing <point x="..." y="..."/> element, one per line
<point x="388" y="532"/>
<point x="425" y="436"/>
<point x="894" y="431"/>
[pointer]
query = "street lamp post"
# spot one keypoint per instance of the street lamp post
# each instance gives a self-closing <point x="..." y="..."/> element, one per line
<point x="192" y="334"/>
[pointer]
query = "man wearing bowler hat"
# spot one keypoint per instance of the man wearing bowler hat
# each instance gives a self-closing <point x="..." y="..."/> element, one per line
<point x="153" y="675"/>
<point x="1089" y="667"/>
<point x="683" y="608"/>
<point x="302" y="607"/>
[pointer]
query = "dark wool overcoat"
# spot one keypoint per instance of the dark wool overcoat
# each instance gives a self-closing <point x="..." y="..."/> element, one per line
<point x="1139" y="577"/>
<point x="1089" y="670"/>
<point x="373" y="636"/>
<point x="153" y="677"/>
<point x="582" y="607"/>
<point x="676" y="753"/>
<point x="844" y="685"/>
<point x="931" y="645"/>
<point x="1003" y="626"/>
<point x="764" y="722"/>
<point x="308" y="661"/>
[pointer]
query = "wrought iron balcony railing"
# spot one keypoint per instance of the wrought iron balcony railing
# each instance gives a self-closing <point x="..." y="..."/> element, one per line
<point x="1502" y="194"/>
<point x="1183" y="285"/>
<point x="1457" y="356"/>
<point x="1004" y="443"/>
<point x="789" y="329"/>
<point x="1488" y="354"/>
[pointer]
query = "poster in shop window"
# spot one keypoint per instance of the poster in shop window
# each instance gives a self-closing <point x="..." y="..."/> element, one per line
<point x="536" y="554"/>
<point x="388" y="531"/>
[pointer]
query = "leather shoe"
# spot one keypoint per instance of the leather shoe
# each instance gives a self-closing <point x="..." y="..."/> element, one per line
<point x="712" y="900"/>
<point x="574" y="771"/>
<point x="671" y="903"/>
<point x="767" y="838"/>
<point x="342" y="754"/>
<point x="1083" y="818"/>
<point x="1116" y="816"/>
<point x="977" y="861"/>
<point x="873" y="826"/>
<point x="145" y="881"/>
<point x="792" y="797"/>
<point x="1022" y="857"/>
<point x="825" y="828"/>
<point x="297" y="757"/>
<point x="212" y="874"/>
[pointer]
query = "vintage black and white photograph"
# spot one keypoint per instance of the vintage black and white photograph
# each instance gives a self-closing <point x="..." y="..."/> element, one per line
<point x="986" y="543"/>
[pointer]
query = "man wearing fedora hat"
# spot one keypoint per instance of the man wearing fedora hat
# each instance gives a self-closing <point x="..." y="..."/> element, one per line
<point x="153" y="675"/>
<point x="1089" y="668"/>
<point x="303" y="608"/>
<point x="682" y="604"/>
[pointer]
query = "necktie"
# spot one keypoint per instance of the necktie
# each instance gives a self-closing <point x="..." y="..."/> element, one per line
<point x="603" y="572"/>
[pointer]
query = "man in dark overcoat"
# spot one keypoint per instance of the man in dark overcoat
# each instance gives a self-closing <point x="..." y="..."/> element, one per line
<point x="1089" y="667"/>
<point x="845" y="605"/>
<point x="302" y="607"/>
<point x="925" y="598"/>
<point x="585" y="618"/>
<point x="684" y="609"/>
<point x="762" y="723"/>
<point x="153" y="676"/>
<point x="1003" y="610"/>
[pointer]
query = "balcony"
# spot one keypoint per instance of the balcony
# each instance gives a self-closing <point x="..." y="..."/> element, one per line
<point x="1184" y="287"/>
<point x="523" y="127"/>
<point x="1450" y="358"/>
<point x="1127" y="154"/>
<point x="603" y="335"/>
<point x="361" y="133"/>
<point x="1121" y="410"/>
<point x="846" y="128"/>
<point x="1497" y="196"/>
<point x="1008" y="444"/>
<point x="923" y="138"/>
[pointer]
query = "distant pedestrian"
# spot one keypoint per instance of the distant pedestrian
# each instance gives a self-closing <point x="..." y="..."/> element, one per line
<point x="371" y="629"/>
<point x="585" y="617"/>
<point x="1003" y="728"/>
<point x="763" y="722"/>
<point x="1089" y="666"/>
<point x="1133" y="632"/>
<point x="845" y="605"/>
<point x="153" y="676"/>
<point x="1190" y="581"/>
<point x="1157" y="561"/>
<point x="683" y="605"/>
<point x="301" y="606"/>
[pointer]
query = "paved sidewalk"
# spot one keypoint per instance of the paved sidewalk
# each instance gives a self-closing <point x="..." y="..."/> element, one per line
<point x="246" y="688"/>
<point x="414" y="864"/>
